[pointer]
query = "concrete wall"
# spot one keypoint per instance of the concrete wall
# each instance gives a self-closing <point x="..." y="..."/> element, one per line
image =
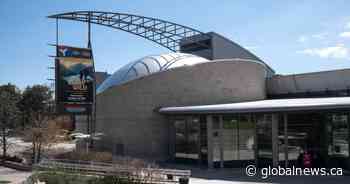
<point x="127" y="113"/>
<point x="222" y="48"/>
<point x="309" y="82"/>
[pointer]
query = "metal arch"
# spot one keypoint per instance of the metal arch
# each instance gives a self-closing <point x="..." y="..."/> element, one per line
<point x="164" y="33"/>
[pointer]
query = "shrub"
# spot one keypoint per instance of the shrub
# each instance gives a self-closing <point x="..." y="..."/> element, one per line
<point x="83" y="156"/>
<point x="12" y="158"/>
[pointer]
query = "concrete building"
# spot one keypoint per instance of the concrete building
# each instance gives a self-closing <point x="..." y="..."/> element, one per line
<point x="218" y="105"/>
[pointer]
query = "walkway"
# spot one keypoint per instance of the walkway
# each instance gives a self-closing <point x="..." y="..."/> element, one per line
<point x="12" y="176"/>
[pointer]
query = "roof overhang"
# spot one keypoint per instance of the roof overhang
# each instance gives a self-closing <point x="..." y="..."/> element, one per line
<point x="275" y="105"/>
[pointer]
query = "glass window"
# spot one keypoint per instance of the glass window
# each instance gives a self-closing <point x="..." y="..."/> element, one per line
<point x="216" y="138"/>
<point x="181" y="144"/>
<point x="193" y="138"/>
<point x="238" y="140"/>
<point x="246" y="137"/>
<point x="230" y="138"/>
<point x="338" y="132"/>
<point x="187" y="138"/>
<point x="264" y="138"/>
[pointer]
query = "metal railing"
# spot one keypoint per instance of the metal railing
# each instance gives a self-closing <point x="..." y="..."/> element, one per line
<point x="144" y="175"/>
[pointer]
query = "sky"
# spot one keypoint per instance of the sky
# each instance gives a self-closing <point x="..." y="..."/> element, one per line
<point x="291" y="36"/>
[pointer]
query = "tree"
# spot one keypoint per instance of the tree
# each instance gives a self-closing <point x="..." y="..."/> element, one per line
<point x="36" y="99"/>
<point x="42" y="133"/>
<point x="38" y="119"/>
<point x="9" y="97"/>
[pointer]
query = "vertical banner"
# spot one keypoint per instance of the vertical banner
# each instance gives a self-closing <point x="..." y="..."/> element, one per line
<point x="74" y="79"/>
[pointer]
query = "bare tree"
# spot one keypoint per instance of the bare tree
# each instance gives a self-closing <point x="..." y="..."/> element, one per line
<point x="42" y="133"/>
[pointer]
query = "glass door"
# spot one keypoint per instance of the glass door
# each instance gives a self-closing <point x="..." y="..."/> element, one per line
<point x="264" y="140"/>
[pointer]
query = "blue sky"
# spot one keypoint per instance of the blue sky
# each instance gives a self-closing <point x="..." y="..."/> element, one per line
<point x="291" y="36"/>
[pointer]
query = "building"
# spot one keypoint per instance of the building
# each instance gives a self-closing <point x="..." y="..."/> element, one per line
<point x="218" y="105"/>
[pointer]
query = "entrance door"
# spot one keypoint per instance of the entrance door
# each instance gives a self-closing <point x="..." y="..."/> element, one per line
<point x="187" y="139"/>
<point x="304" y="133"/>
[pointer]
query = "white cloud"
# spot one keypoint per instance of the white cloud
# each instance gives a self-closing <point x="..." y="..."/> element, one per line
<point x="336" y="52"/>
<point x="347" y="26"/>
<point x="302" y="39"/>
<point x="345" y="34"/>
<point x="319" y="35"/>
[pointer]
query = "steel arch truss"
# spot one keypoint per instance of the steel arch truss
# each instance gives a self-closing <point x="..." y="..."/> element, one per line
<point x="164" y="33"/>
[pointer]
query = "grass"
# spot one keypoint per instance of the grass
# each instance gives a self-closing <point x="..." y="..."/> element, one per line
<point x="4" y="182"/>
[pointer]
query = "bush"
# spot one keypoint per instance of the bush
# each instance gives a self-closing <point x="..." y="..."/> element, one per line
<point x="53" y="177"/>
<point x="83" y="156"/>
<point x="12" y="159"/>
<point x="67" y="178"/>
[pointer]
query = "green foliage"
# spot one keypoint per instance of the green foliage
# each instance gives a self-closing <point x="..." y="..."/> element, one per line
<point x="9" y="97"/>
<point x="114" y="180"/>
<point x="35" y="99"/>
<point x="59" y="177"/>
<point x="84" y="156"/>
<point x="4" y="182"/>
<point x="56" y="177"/>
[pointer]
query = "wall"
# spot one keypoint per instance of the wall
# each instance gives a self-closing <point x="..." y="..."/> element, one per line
<point x="309" y="82"/>
<point x="127" y="113"/>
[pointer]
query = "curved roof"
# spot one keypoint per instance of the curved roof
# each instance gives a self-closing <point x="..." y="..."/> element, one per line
<point x="148" y="65"/>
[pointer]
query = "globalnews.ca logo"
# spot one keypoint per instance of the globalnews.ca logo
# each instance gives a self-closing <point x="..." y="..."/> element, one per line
<point x="266" y="172"/>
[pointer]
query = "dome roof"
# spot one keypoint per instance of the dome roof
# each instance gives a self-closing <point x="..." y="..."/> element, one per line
<point x="148" y="65"/>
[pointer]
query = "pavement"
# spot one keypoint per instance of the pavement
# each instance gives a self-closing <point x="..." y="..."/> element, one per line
<point x="238" y="175"/>
<point x="235" y="176"/>
<point x="12" y="176"/>
<point x="207" y="176"/>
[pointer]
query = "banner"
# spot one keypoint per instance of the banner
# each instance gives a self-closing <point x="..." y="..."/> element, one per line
<point x="74" y="79"/>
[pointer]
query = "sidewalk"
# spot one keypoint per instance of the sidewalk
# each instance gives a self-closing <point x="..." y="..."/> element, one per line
<point x="235" y="176"/>
<point x="12" y="176"/>
<point x="238" y="175"/>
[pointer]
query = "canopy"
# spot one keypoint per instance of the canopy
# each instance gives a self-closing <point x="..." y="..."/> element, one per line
<point x="274" y="105"/>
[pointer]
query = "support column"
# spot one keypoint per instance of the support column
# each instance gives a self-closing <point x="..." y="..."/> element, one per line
<point x="274" y="138"/>
<point x="285" y="120"/>
<point x="210" y="141"/>
<point x="254" y="119"/>
<point x="172" y="137"/>
<point x="221" y="124"/>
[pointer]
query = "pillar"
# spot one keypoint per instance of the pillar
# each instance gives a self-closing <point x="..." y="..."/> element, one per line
<point x="274" y="137"/>
<point x="285" y="121"/>
<point x="221" y="124"/>
<point x="210" y="141"/>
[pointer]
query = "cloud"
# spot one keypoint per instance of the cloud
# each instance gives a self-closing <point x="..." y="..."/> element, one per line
<point x="347" y="26"/>
<point x="319" y="35"/>
<point x="302" y="39"/>
<point x="345" y="34"/>
<point x="335" y="52"/>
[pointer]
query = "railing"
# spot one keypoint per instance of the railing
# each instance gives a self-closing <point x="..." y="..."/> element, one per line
<point x="144" y="175"/>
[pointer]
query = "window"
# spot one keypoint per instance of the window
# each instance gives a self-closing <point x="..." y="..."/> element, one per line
<point x="187" y="138"/>
<point x="338" y="132"/>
